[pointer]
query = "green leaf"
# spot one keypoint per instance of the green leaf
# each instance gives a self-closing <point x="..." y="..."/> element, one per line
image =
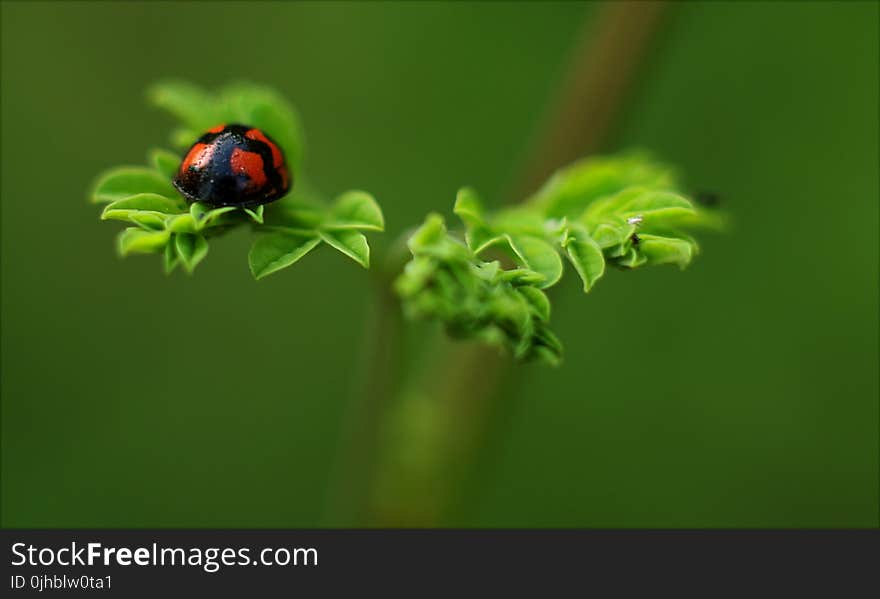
<point x="165" y="162"/>
<point x="183" y="137"/>
<point x="151" y="221"/>
<point x="474" y="299"/>
<point x="433" y="231"/>
<point x="416" y="274"/>
<point x="134" y="240"/>
<point x="256" y="214"/>
<point x="479" y="239"/>
<point x="547" y="347"/>
<point x="522" y="276"/>
<point x="171" y="260"/>
<point x="631" y="259"/>
<point x="469" y="208"/>
<point x="537" y="255"/>
<point x="142" y="202"/>
<point x="208" y="216"/>
<point x="666" y="250"/>
<point x="609" y="235"/>
<point x="182" y="223"/>
<point x="651" y="207"/>
<point x="572" y="189"/>
<point x="520" y="220"/>
<point x="270" y="253"/>
<point x="538" y="300"/>
<point x="547" y="339"/>
<point x="191" y="249"/>
<point x="647" y="200"/>
<point x="301" y="209"/>
<point x="586" y="257"/>
<point x="489" y="271"/>
<point x="517" y="311"/>
<point x="197" y="108"/>
<point x="355" y="210"/>
<point x="548" y="355"/>
<point x="707" y="219"/>
<point x="124" y="181"/>
<point x="351" y="243"/>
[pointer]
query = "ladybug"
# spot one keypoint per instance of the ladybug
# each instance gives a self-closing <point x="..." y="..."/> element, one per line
<point x="233" y="165"/>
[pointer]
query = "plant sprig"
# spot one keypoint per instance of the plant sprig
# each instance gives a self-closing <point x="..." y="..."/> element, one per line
<point x="489" y="282"/>
<point x="164" y="223"/>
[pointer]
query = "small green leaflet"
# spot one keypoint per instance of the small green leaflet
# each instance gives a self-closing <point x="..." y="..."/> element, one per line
<point x="270" y="253"/>
<point x="351" y="243"/>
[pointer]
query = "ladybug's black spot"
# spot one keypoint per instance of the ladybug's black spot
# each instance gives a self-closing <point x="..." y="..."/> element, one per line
<point x="214" y="181"/>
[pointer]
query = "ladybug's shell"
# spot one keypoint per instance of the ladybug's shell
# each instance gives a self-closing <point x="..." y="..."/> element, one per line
<point x="233" y="165"/>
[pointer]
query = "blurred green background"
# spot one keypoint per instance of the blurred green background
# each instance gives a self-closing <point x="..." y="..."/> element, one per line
<point x="742" y="392"/>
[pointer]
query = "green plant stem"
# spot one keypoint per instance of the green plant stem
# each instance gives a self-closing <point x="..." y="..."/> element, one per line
<point x="425" y="434"/>
<point x="375" y="386"/>
<point x="602" y="73"/>
<point x="429" y="432"/>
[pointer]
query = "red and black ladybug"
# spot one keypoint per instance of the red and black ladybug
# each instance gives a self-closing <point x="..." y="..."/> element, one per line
<point x="233" y="165"/>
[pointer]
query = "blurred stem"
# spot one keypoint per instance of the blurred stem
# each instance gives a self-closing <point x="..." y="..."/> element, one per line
<point x="409" y="455"/>
<point x="602" y="72"/>
<point x="376" y="384"/>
